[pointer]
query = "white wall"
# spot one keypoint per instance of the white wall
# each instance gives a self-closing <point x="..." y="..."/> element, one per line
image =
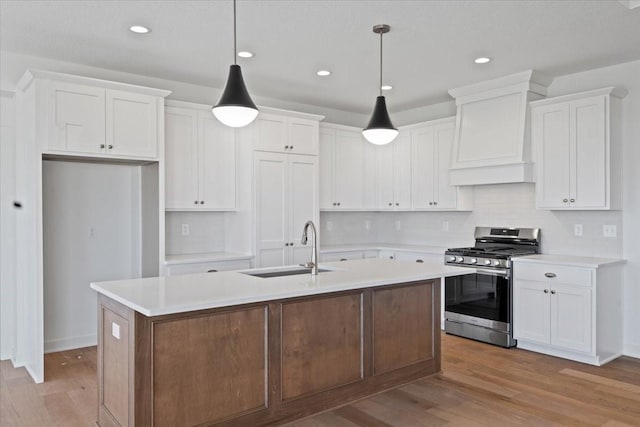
<point x="91" y="229"/>
<point x="7" y="226"/>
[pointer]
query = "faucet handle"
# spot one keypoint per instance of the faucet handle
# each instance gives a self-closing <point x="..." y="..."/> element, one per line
<point x="308" y="265"/>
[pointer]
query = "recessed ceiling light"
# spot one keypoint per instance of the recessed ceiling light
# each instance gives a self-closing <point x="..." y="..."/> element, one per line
<point x="482" y="60"/>
<point x="386" y="87"/>
<point x="245" y="54"/>
<point x="139" y="29"/>
<point x="324" y="73"/>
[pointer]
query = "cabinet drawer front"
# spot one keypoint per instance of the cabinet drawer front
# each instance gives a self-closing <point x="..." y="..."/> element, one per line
<point x="552" y="273"/>
<point x="204" y="267"/>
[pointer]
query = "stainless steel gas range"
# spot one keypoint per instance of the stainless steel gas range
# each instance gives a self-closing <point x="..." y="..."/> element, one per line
<point x="479" y="305"/>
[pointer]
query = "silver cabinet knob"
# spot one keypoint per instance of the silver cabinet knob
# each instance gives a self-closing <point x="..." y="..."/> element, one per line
<point x="572" y="200"/>
<point x="435" y="203"/>
<point x="110" y="146"/>
<point x="391" y="257"/>
<point x="202" y="202"/>
<point x="286" y="244"/>
<point x="286" y="147"/>
<point x="334" y="204"/>
<point x="101" y="145"/>
<point x="390" y="204"/>
<point x="546" y="291"/>
<point x="553" y="292"/>
<point x="195" y="202"/>
<point x="291" y="148"/>
<point x="338" y="203"/>
<point x="550" y="275"/>
<point x="430" y="203"/>
<point x="397" y="204"/>
<point x="565" y="200"/>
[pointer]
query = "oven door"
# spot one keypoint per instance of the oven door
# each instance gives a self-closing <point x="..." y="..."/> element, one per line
<point x="482" y="297"/>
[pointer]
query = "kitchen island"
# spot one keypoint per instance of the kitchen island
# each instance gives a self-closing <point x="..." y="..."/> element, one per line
<point x="233" y="348"/>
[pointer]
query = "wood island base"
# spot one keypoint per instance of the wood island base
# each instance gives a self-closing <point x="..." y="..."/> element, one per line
<point x="264" y="363"/>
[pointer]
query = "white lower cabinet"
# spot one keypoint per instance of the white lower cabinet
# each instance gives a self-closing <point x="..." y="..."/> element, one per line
<point x="207" y="267"/>
<point x="342" y="256"/>
<point x="568" y="311"/>
<point x="286" y="196"/>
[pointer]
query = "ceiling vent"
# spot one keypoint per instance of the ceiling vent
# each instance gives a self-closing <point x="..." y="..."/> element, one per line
<point x="492" y="143"/>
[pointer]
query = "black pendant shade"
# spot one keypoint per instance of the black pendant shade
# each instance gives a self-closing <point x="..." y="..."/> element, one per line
<point x="380" y="118"/>
<point x="235" y="92"/>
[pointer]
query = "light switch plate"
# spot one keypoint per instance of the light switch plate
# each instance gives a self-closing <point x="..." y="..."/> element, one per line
<point x="329" y="225"/>
<point x="609" y="230"/>
<point x="577" y="230"/>
<point x="445" y="225"/>
<point x="115" y="330"/>
<point x="398" y="225"/>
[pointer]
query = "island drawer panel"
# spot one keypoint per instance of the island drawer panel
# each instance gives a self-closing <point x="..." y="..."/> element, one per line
<point x="402" y="318"/>
<point x="209" y="368"/>
<point x="321" y="344"/>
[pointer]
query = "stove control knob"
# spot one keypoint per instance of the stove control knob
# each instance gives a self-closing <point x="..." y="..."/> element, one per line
<point x="474" y="260"/>
<point x="487" y="262"/>
<point x="496" y="263"/>
<point x="451" y="258"/>
<point x="459" y="259"/>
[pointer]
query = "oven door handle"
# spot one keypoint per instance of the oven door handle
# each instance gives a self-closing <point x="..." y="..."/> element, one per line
<point x="502" y="273"/>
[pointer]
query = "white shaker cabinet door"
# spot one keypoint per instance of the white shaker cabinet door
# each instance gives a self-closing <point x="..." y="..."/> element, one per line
<point x="447" y="195"/>
<point x="327" y="168"/>
<point x="551" y="131"/>
<point x="590" y="160"/>
<point x="303" y="136"/>
<point x="349" y="165"/>
<point x="531" y="311"/>
<point x="302" y="204"/>
<point x="217" y="163"/>
<point x="402" y="171"/>
<point x="270" y="133"/>
<point x="272" y="216"/>
<point x="571" y="317"/>
<point x="132" y="124"/>
<point x="78" y="122"/>
<point x="181" y="154"/>
<point x="423" y="184"/>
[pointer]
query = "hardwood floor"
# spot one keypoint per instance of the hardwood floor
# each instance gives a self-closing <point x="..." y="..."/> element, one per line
<point x="481" y="385"/>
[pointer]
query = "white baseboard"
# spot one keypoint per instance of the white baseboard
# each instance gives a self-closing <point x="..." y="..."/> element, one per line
<point x="70" y="343"/>
<point x="632" y="350"/>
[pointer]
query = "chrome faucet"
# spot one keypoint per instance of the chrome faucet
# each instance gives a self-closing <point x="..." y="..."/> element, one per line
<point x="313" y="265"/>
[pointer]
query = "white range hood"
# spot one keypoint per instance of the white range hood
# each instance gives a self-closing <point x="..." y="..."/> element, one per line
<point x="492" y="142"/>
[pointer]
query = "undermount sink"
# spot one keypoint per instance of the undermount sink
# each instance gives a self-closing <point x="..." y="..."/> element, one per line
<point x="279" y="273"/>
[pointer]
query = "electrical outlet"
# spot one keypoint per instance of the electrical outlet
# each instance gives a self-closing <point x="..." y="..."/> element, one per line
<point x="398" y="225"/>
<point x="92" y="232"/>
<point x="609" y="230"/>
<point x="445" y="225"/>
<point x="329" y="226"/>
<point x="367" y="225"/>
<point x="577" y="230"/>
<point x="185" y="229"/>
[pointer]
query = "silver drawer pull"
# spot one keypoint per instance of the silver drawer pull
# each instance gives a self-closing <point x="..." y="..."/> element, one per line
<point x="419" y="261"/>
<point x="212" y="271"/>
<point x="343" y="259"/>
<point x="550" y="275"/>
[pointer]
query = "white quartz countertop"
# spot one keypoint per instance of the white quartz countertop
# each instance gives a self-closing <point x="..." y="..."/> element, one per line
<point x="175" y="294"/>
<point x="205" y="257"/>
<point x="382" y="247"/>
<point x="568" y="260"/>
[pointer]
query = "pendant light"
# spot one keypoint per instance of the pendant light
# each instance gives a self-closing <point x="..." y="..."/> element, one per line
<point x="380" y="130"/>
<point x="235" y="107"/>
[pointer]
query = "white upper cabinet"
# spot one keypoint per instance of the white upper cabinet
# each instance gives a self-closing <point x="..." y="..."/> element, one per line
<point x="131" y="124"/>
<point x="200" y="165"/>
<point x="578" y="151"/>
<point x="99" y="118"/>
<point x="431" y="146"/>
<point x="78" y="122"/>
<point x="282" y="133"/>
<point x="391" y="173"/>
<point x="341" y="168"/>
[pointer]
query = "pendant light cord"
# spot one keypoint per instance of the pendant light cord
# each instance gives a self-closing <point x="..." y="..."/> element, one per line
<point x="235" y="49"/>
<point x="380" y="85"/>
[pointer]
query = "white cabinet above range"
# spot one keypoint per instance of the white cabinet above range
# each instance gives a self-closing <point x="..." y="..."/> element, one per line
<point x="81" y="116"/>
<point x="286" y="132"/>
<point x="578" y="150"/>
<point x="200" y="159"/>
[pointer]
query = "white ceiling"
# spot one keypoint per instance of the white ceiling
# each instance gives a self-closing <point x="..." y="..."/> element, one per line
<point x="430" y="48"/>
